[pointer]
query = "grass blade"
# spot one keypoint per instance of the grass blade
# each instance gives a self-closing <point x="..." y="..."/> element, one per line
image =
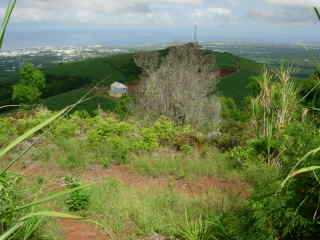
<point x="24" y="219"/>
<point x="6" y="19"/>
<point x="50" y="214"/>
<point x="298" y="172"/>
<point x="11" y="231"/>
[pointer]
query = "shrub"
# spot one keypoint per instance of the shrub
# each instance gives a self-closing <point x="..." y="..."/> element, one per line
<point x="231" y="111"/>
<point x="9" y="199"/>
<point x="149" y="139"/>
<point x="165" y="130"/>
<point x="77" y="200"/>
<point x="283" y="215"/>
<point x="119" y="150"/>
<point x="233" y="134"/>
<point x="7" y="130"/>
<point x="124" y="107"/>
<point x="241" y="155"/>
<point x="65" y="128"/>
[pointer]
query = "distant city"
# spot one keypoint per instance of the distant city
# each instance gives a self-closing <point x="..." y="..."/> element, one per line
<point x="11" y="60"/>
<point x="296" y="55"/>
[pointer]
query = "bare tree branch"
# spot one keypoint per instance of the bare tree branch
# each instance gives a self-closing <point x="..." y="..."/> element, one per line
<point x="179" y="85"/>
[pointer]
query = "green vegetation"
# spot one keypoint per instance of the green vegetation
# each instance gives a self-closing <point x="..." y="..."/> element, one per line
<point x="254" y="175"/>
<point x="160" y="177"/>
<point x="30" y="86"/>
<point x="237" y="85"/>
<point x="67" y="81"/>
<point x="168" y="178"/>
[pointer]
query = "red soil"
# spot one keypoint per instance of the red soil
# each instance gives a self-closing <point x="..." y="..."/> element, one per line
<point x="76" y="230"/>
<point x="200" y="186"/>
<point x="224" y="72"/>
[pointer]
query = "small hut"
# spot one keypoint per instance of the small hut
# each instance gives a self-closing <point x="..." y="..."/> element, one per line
<point x="118" y="89"/>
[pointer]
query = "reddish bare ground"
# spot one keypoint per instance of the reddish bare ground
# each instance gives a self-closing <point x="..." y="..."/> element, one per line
<point x="131" y="178"/>
<point x="199" y="186"/>
<point x="75" y="230"/>
<point x="224" y="72"/>
<point x="133" y="87"/>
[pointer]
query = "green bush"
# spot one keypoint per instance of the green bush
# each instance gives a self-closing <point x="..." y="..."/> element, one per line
<point x="282" y="215"/>
<point x="165" y="130"/>
<point x="124" y="107"/>
<point x="233" y="134"/>
<point x="231" y="111"/>
<point x="65" y="128"/>
<point x="119" y="150"/>
<point x="77" y="200"/>
<point x="7" y="130"/>
<point x="9" y="199"/>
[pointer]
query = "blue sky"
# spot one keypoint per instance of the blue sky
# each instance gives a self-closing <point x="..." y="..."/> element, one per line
<point x="270" y="21"/>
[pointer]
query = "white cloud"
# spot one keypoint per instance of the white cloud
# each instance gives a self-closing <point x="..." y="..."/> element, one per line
<point x="305" y="3"/>
<point x="213" y="12"/>
<point x="101" y="11"/>
<point x="285" y="11"/>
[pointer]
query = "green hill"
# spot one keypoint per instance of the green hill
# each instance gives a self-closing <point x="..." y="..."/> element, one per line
<point x="74" y="75"/>
<point x="236" y="84"/>
<point x="67" y="82"/>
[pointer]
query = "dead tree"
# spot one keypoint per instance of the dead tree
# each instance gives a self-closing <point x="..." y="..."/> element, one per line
<point x="180" y="85"/>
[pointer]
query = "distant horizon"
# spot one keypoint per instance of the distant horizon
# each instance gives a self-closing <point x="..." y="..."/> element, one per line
<point x="17" y="39"/>
<point x="37" y="23"/>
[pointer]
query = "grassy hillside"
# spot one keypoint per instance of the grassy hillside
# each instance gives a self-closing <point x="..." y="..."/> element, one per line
<point x="67" y="82"/>
<point x="236" y="84"/>
<point x="123" y="69"/>
<point x="61" y="100"/>
<point x="109" y="69"/>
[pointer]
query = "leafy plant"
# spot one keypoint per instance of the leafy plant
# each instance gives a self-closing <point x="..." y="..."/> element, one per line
<point x="78" y="200"/>
<point x="195" y="230"/>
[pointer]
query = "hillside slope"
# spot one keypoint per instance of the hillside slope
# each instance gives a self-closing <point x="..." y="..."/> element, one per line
<point x="67" y="82"/>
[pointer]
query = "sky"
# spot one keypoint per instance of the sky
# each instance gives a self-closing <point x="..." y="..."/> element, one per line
<point x="157" y="21"/>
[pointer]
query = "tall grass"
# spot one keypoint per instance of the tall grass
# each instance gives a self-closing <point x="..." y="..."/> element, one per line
<point x="311" y="169"/>
<point x="135" y="213"/>
<point x="275" y="106"/>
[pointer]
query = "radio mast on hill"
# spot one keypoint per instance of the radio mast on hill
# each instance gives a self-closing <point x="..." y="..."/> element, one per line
<point x="195" y="34"/>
